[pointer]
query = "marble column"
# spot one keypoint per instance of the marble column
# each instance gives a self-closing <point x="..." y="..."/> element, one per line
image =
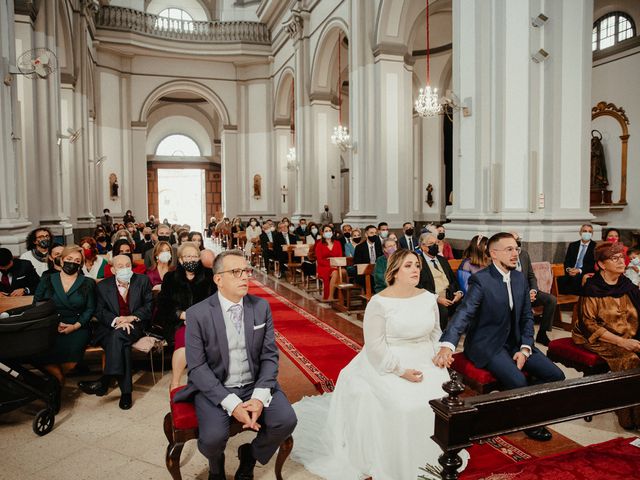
<point x="285" y="176"/>
<point x="230" y="170"/>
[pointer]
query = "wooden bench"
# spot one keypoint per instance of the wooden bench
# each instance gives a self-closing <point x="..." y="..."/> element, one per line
<point x="7" y="303"/>
<point x="563" y="299"/>
<point x="181" y="425"/>
<point x="345" y="288"/>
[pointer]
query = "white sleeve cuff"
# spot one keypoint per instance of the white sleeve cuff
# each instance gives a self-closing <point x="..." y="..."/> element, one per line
<point x="230" y="402"/>
<point x="262" y="394"/>
<point x="450" y="346"/>
<point x="527" y="350"/>
<point x="113" y="323"/>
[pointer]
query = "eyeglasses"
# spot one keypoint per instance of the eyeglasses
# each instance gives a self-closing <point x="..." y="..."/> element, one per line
<point x="237" y="272"/>
<point x="616" y="258"/>
<point x="39" y="237"/>
<point x="190" y="257"/>
<point x="509" y="250"/>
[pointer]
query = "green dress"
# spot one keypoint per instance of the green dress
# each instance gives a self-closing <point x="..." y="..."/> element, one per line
<point x="379" y="283"/>
<point x="76" y="305"/>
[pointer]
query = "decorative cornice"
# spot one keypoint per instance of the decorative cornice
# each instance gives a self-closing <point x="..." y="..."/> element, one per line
<point x="604" y="107"/>
<point x="295" y="26"/>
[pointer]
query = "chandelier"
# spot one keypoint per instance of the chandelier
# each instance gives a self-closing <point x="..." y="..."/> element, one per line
<point x="427" y="104"/>
<point x="340" y="137"/>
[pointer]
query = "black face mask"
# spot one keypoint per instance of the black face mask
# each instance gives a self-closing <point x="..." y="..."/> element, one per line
<point x="70" y="268"/>
<point x="326" y="209"/>
<point x="44" y="243"/>
<point x="441" y="236"/>
<point x="519" y="242"/>
<point x="409" y="232"/>
<point x="372" y="238"/>
<point x="101" y="238"/>
<point x="356" y="239"/>
<point x="56" y="261"/>
<point x="433" y="250"/>
<point x="147" y="237"/>
<point x="140" y="229"/>
<point x="347" y="234"/>
<point x="191" y="266"/>
<point x="164" y="238"/>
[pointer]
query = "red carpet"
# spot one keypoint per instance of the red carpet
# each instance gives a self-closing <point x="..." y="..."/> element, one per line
<point x="612" y="460"/>
<point x="492" y="454"/>
<point x="319" y="350"/>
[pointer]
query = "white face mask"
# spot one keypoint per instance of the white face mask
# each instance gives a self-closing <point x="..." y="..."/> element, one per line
<point x="124" y="275"/>
<point x="314" y="231"/>
<point x="327" y="235"/>
<point x="253" y="224"/>
<point x="586" y="236"/>
<point x="292" y="229"/>
<point x="384" y="233"/>
<point x="164" y="257"/>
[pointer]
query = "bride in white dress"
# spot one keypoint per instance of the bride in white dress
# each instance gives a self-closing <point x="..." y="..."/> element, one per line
<point x="378" y="422"/>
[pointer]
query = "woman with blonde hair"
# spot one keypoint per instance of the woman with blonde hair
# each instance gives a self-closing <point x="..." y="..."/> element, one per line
<point x="160" y="263"/>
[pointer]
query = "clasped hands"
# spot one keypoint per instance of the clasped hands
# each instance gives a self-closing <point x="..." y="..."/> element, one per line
<point x="444" y="358"/>
<point x="445" y="302"/>
<point x="125" y="323"/>
<point x="18" y="292"/>
<point x="67" y="328"/>
<point x="247" y="413"/>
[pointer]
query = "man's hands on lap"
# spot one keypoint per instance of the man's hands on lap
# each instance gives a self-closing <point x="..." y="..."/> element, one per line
<point x="520" y="359"/>
<point x="247" y="413"/>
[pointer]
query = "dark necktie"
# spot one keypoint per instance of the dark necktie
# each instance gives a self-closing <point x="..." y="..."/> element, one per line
<point x="5" y="279"/>
<point x="410" y="243"/>
<point x="435" y="264"/>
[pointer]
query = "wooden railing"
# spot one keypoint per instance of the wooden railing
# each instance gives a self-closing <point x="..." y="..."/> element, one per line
<point x="130" y="20"/>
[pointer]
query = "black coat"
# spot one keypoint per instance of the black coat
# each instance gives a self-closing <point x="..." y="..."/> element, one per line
<point x="361" y="253"/>
<point x="23" y="275"/>
<point x="589" y="261"/>
<point x="140" y="300"/>
<point x="426" y="277"/>
<point x="178" y="294"/>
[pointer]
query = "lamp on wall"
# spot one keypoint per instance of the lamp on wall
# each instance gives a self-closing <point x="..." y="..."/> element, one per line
<point x="340" y="137"/>
<point x="540" y="20"/>
<point x="427" y="104"/>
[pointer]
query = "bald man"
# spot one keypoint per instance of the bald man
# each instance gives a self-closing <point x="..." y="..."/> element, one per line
<point x="123" y="313"/>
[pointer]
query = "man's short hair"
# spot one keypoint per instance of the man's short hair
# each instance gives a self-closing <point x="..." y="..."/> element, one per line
<point x="217" y="263"/>
<point x="368" y="227"/>
<point x="425" y="236"/>
<point x="106" y="210"/>
<point x="586" y="225"/>
<point x="496" y="238"/>
<point x="407" y="223"/>
<point x="382" y="224"/>
<point x="5" y="257"/>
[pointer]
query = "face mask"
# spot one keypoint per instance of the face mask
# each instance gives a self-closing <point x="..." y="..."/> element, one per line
<point x="101" y="238"/>
<point x="612" y="239"/>
<point x="327" y="235"/>
<point x="191" y="266"/>
<point x="292" y="229"/>
<point x="56" y="261"/>
<point x="390" y="251"/>
<point x="586" y="236"/>
<point x="164" y="257"/>
<point x="140" y="229"/>
<point x="44" y="243"/>
<point x="326" y="209"/>
<point x="303" y="226"/>
<point x="635" y="262"/>
<point x="164" y="238"/>
<point x="124" y="275"/>
<point x="441" y="236"/>
<point x="314" y="231"/>
<point x="432" y="250"/>
<point x="384" y="233"/>
<point x="253" y="224"/>
<point x="272" y="229"/>
<point x="356" y="239"/>
<point x="88" y="253"/>
<point x="372" y="238"/>
<point x="347" y="234"/>
<point x="147" y="237"/>
<point x="70" y="268"/>
<point x="409" y="232"/>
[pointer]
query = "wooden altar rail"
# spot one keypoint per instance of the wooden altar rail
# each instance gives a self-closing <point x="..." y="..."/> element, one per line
<point x="460" y="422"/>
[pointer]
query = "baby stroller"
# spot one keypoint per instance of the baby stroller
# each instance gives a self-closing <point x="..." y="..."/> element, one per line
<point x="26" y="333"/>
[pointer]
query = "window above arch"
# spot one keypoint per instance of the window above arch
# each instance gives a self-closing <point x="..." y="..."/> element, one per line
<point x="177" y="145"/>
<point x="174" y="19"/>
<point x="612" y="29"/>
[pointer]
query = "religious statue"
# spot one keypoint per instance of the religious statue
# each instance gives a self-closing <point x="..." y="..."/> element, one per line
<point x="284" y="191"/>
<point x="113" y="186"/>
<point x="429" y="195"/>
<point x="599" y="180"/>
<point x="257" y="186"/>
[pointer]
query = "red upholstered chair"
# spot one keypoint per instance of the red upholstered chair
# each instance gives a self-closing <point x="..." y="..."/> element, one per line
<point x="181" y="425"/>
<point x="564" y="351"/>
<point x="478" y="379"/>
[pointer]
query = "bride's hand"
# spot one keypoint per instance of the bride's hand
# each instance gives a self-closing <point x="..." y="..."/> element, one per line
<point x="412" y="375"/>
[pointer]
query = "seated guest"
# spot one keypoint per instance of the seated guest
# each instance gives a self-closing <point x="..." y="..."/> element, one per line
<point x="545" y="300"/>
<point x="408" y="240"/>
<point x="612" y="235"/>
<point x="633" y="270"/>
<point x="608" y="319"/>
<point x="53" y="259"/>
<point x="367" y="251"/>
<point x="383" y="230"/>
<point x="123" y="247"/>
<point x="196" y="237"/>
<point x="187" y="285"/>
<point x="119" y="235"/>
<point x="74" y="296"/>
<point x="281" y="238"/>
<point x="17" y="276"/>
<point x="314" y="234"/>
<point x="103" y="243"/>
<point x="236" y="227"/>
<point x="253" y="232"/>
<point x="145" y="242"/>
<point x="162" y="253"/>
<point x="301" y="231"/>
<point x="38" y="242"/>
<point x="123" y="311"/>
<point x="183" y="236"/>
<point x="474" y="259"/>
<point x="437" y="277"/>
<point x="211" y="226"/>
<point x="444" y="248"/>
<point x="94" y="265"/>
<point x="578" y="262"/>
<point x="163" y="235"/>
<point x="497" y="320"/>
<point x="267" y="243"/>
<point x="128" y="217"/>
<point x="134" y="232"/>
<point x="106" y="220"/>
<point x="389" y="246"/>
<point x="351" y="240"/>
<point x="244" y="384"/>
<point x="325" y="249"/>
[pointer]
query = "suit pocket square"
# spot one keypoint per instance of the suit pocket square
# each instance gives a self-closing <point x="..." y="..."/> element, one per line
<point x="20" y="278"/>
<point x="258" y="327"/>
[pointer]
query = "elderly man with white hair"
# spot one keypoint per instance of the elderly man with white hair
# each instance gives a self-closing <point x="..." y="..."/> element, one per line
<point x="123" y="312"/>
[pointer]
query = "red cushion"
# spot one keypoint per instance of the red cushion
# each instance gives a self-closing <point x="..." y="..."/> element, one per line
<point x="565" y="349"/>
<point x="183" y="413"/>
<point x="464" y="366"/>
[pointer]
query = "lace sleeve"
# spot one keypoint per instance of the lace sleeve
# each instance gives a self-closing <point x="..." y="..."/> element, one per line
<point x="375" y="341"/>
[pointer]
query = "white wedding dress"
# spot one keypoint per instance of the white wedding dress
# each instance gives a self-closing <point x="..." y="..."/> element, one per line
<point x="377" y="424"/>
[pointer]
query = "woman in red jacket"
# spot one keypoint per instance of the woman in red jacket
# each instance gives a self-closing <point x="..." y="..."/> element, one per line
<point x="325" y="249"/>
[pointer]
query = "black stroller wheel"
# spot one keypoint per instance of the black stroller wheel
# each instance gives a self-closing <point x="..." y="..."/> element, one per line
<point x="43" y="423"/>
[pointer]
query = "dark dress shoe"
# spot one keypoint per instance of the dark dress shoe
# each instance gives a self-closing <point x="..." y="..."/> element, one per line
<point x="220" y="472"/>
<point x="542" y="339"/>
<point x="247" y="462"/>
<point x="125" y="401"/>
<point x="97" y="387"/>
<point x="541" y="434"/>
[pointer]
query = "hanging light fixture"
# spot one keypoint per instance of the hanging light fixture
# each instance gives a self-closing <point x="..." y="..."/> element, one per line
<point x="340" y="136"/>
<point x="292" y="162"/>
<point x="427" y="104"/>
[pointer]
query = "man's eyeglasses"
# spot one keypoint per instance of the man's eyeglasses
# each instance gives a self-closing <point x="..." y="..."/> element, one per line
<point x="509" y="250"/>
<point x="616" y="258"/>
<point x="237" y="272"/>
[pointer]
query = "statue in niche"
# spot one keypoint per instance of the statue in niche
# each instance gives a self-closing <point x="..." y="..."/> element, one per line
<point x="113" y="186"/>
<point x="257" y="186"/>
<point x="599" y="180"/>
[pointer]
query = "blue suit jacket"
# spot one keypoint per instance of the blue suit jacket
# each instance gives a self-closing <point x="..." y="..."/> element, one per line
<point x="486" y="318"/>
<point x="207" y="348"/>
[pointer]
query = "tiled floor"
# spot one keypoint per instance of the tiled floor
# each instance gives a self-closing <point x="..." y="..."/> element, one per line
<point x="94" y="439"/>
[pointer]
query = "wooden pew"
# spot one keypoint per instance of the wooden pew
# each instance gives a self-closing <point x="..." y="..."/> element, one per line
<point x="7" y="303"/>
<point x="344" y="287"/>
<point x="461" y="421"/>
<point x="455" y="264"/>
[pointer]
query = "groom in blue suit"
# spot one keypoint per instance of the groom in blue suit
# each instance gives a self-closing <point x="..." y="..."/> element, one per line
<point x="496" y="316"/>
<point x="233" y="366"/>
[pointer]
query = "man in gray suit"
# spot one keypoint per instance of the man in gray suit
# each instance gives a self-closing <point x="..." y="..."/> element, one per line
<point x="233" y="364"/>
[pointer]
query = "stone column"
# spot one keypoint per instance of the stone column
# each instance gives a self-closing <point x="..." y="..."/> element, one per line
<point x="139" y="170"/>
<point x="230" y="172"/>
<point x="284" y="176"/>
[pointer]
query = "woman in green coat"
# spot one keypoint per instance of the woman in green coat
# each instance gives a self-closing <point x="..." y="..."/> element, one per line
<point x="379" y="283"/>
<point x="74" y="296"/>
